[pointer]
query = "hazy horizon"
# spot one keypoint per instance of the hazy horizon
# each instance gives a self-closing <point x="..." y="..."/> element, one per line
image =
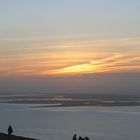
<point x="111" y="83"/>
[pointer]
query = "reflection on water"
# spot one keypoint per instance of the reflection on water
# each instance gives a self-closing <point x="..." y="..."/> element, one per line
<point x="60" y="123"/>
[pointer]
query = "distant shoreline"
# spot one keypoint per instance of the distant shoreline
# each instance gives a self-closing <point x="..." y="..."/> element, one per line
<point x="39" y="104"/>
<point x="68" y="100"/>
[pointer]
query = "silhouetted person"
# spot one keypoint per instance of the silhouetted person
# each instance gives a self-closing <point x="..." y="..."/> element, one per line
<point x="74" y="137"/>
<point x="86" y="138"/>
<point x="10" y="130"/>
<point x="80" y="138"/>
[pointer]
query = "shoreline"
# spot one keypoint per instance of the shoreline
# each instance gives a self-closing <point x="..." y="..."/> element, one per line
<point x="39" y="104"/>
<point x="68" y="100"/>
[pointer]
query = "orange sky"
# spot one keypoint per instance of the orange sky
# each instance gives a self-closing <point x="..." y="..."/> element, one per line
<point x="69" y="37"/>
<point x="70" y="57"/>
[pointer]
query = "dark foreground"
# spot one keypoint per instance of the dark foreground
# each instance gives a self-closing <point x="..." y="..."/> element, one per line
<point x="13" y="137"/>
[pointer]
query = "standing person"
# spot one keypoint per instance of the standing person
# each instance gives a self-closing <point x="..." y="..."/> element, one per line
<point x="80" y="138"/>
<point x="86" y="138"/>
<point x="74" y="137"/>
<point x="10" y="130"/>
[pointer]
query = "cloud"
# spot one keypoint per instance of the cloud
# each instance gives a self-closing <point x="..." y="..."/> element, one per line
<point x="107" y="62"/>
<point x="118" y="62"/>
<point x="66" y="56"/>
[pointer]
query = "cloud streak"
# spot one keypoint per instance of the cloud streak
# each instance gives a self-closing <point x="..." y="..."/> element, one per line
<point x="69" y="57"/>
<point x="118" y="62"/>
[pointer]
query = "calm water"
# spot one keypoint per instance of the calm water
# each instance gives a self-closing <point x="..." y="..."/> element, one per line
<point x="99" y="123"/>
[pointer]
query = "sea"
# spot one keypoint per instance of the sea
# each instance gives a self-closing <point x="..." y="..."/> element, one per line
<point x="61" y="123"/>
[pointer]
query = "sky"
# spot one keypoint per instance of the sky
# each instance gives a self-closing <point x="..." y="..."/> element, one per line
<point x="70" y="46"/>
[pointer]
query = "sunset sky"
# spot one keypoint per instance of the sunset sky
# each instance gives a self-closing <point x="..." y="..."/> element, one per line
<point x="70" y="46"/>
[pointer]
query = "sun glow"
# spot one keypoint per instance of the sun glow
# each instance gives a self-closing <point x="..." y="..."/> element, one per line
<point x="77" y="69"/>
<point x="71" y="57"/>
<point x="117" y="62"/>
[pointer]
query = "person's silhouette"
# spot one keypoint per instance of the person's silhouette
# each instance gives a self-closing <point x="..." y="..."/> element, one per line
<point x="74" y="137"/>
<point x="86" y="138"/>
<point x="10" y="130"/>
<point x="80" y="138"/>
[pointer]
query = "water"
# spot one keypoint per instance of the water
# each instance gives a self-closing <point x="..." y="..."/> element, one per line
<point x="60" y="123"/>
